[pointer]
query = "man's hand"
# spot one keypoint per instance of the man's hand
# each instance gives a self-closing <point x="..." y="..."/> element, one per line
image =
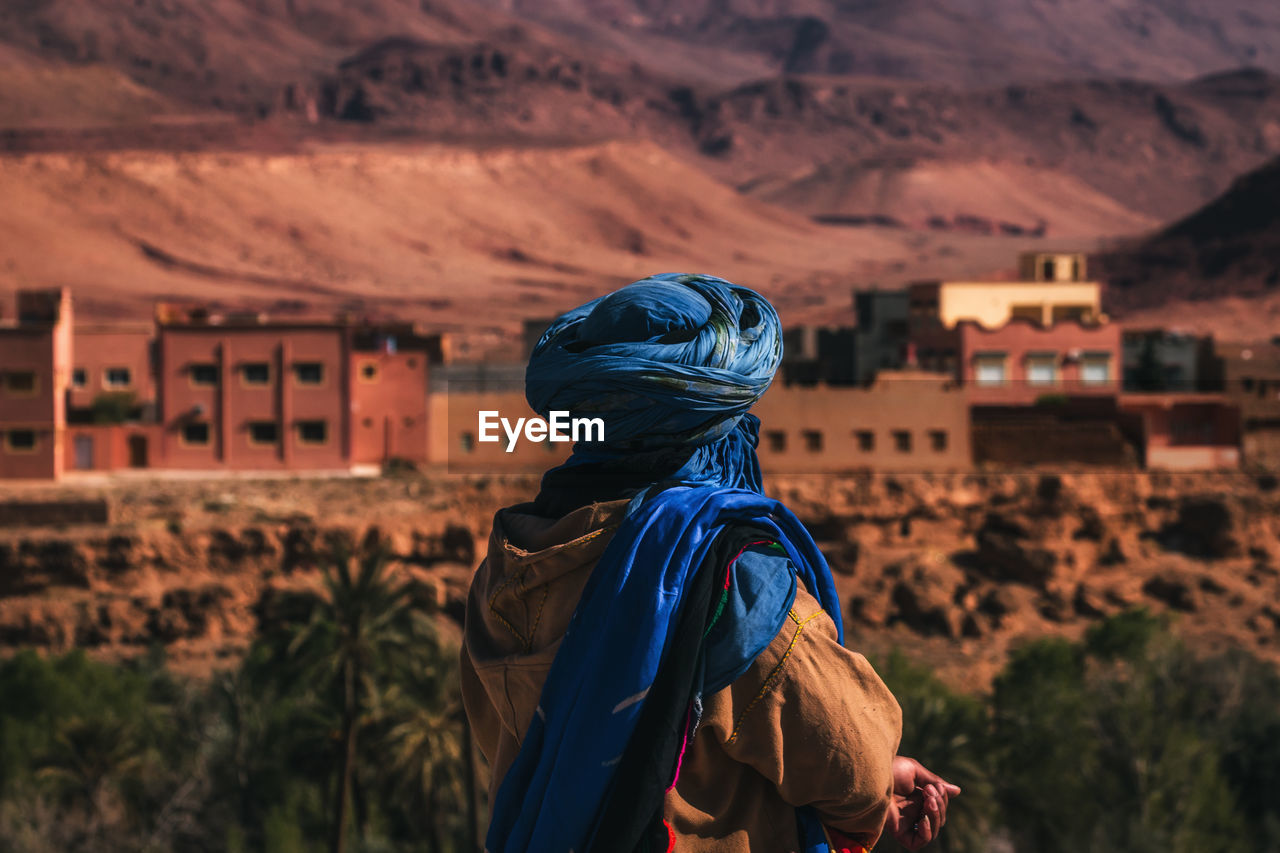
<point x="919" y="807"/>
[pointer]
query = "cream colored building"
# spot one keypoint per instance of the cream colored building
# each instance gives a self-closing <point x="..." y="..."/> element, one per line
<point x="1053" y="289"/>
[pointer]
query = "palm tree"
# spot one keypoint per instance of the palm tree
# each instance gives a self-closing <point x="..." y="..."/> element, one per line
<point x="360" y="637"/>
<point x="88" y="755"/>
<point x="425" y="741"/>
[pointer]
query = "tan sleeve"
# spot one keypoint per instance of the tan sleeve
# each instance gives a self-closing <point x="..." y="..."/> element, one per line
<point x="815" y="719"/>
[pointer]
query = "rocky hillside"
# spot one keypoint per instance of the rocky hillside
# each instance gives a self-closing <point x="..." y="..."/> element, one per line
<point x="973" y="42"/>
<point x="1074" y="158"/>
<point x="758" y="92"/>
<point x="1231" y="246"/>
<point x="235" y="53"/>
<point x="812" y="143"/>
<point x="464" y="238"/>
<point x="954" y="570"/>
<point x="225" y="54"/>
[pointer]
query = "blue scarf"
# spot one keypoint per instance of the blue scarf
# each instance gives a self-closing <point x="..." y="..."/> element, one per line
<point x="671" y="364"/>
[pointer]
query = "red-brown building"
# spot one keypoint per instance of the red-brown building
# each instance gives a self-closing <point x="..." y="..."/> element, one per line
<point x="1249" y="375"/>
<point x="243" y="392"/>
<point x="1187" y="431"/>
<point x="1022" y="361"/>
<point x="205" y="391"/>
<point x="35" y="367"/>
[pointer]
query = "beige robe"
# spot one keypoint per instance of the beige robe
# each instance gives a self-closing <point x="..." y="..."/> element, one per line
<point x="809" y="723"/>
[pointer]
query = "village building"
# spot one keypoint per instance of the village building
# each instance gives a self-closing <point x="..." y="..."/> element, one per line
<point x="966" y="374"/>
<point x="35" y="371"/>
<point x="1249" y="376"/>
<point x="880" y="339"/>
<point x="1015" y="342"/>
<point x="202" y="390"/>
<point x="1159" y="360"/>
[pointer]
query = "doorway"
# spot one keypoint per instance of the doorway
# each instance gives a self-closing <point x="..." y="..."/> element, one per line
<point x="137" y="451"/>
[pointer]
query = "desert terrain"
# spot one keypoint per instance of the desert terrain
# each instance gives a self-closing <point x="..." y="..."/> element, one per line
<point x="954" y="570"/>
<point x="426" y="160"/>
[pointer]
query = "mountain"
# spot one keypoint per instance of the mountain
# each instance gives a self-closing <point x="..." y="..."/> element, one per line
<point x="237" y="54"/>
<point x="1083" y="158"/>
<point x="1230" y="248"/>
<point x="462" y="238"/>
<point x="969" y="120"/>
<point x="963" y="42"/>
<point x="228" y="54"/>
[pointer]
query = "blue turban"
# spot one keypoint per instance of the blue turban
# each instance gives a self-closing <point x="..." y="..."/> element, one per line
<point x="671" y="364"/>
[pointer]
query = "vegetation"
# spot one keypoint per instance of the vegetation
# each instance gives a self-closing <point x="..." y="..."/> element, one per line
<point x="1125" y="741"/>
<point x="114" y="407"/>
<point x="342" y="730"/>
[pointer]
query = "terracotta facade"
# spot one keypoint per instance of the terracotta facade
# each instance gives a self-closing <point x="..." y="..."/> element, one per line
<point x="35" y="368"/>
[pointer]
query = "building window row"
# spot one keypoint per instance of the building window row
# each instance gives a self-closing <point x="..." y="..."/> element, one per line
<point x="1040" y="368"/>
<point x="256" y="373"/>
<point x="113" y="378"/>
<point x="901" y="440"/>
<point x="263" y="433"/>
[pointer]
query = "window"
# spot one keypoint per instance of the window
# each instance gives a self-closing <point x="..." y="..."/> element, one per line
<point x="902" y="440"/>
<point x="812" y="440"/>
<point x="308" y="373"/>
<point x="866" y="440"/>
<point x="312" y="432"/>
<point x="777" y="441"/>
<point x="20" y="440"/>
<point x="1048" y="270"/>
<point x="195" y="434"/>
<point x="1095" y="368"/>
<point x="988" y="368"/>
<point x="369" y="371"/>
<point x="1042" y="368"/>
<point x="255" y="373"/>
<point x="468" y="442"/>
<point x="938" y="440"/>
<point x="21" y="383"/>
<point x="203" y="374"/>
<point x="263" y="432"/>
<point x="79" y="378"/>
<point x="117" y="377"/>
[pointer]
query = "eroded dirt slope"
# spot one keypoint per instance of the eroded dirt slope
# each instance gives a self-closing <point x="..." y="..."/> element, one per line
<point x="955" y="570"/>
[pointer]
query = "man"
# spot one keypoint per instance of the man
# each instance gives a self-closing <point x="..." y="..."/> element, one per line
<point x="653" y="653"/>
